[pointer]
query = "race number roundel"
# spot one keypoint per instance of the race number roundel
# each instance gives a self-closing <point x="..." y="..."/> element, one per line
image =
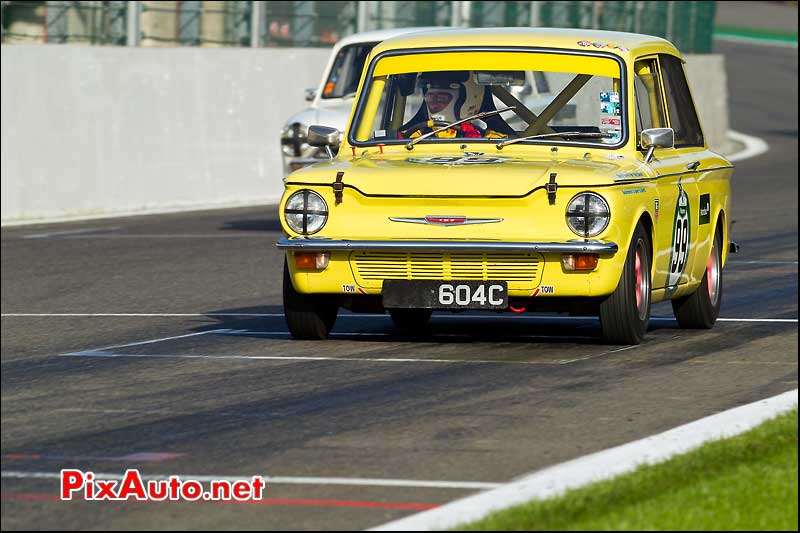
<point x="681" y="239"/>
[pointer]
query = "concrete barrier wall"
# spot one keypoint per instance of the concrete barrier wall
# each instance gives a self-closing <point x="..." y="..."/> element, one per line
<point x="107" y="130"/>
<point x="709" y="83"/>
<point x="97" y="130"/>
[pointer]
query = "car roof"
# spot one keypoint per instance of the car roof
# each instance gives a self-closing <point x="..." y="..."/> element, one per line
<point x="381" y="35"/>
<point x="620" y="43"/>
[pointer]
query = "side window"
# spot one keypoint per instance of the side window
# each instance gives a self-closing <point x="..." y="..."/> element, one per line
<point x="647" y="90"/>
<point x="682" y="116"/>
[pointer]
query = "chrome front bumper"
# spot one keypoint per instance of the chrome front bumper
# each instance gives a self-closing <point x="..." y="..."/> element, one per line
<point x="330" y="245"/>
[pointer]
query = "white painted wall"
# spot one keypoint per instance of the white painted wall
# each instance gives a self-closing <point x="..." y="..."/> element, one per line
<point x="709" y="84"/>
<point x="94" y="130"/>
<point x="108" y="130"/>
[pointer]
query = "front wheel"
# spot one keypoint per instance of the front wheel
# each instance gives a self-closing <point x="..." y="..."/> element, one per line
<point x="700" y="309"/>
<point x="309" y="316"/>
<point x="625" y="314"/>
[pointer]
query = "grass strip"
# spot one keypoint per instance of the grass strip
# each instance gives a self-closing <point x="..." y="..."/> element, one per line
<point x="747" y="482"/>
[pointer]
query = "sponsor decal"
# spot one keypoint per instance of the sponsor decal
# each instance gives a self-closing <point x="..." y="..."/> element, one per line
<point x="705" y="209"/>
<point x="681" y="240"/>
<point x="544" y="289"/>
<point x="609" y="108"/>
<point x="656" y="205"/>
<point x="628" y="175"/>
<point x="348" y="288"/>
<point x="603" y="45"/>
<point x="614" y="133"/>
<point x="458" y="160"/>
<point x="609" y="96"/>
<point x="633" y="191"/>
<point x="611" y="122"/>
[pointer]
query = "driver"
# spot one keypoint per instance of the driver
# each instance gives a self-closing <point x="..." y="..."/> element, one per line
<point x="452" y="96"/>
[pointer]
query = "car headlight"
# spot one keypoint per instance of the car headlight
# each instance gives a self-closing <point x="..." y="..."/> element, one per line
<point x="588" y="214"/>
<point x="293" y="139"/>
<point x="305" y="212"/>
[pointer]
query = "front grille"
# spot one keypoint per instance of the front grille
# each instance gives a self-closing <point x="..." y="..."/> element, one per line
<point x="521" y="270"/>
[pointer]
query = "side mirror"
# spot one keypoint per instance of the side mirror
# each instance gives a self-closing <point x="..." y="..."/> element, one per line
<point x="656" y="138"/>
<point x="310" y="94"/>
<point x="323" y="136"/>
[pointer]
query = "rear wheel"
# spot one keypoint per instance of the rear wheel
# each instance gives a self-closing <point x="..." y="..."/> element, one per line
<point x="625" y="314"/>
<point x="700" y="309"/>
<point x="309" y="316"/>
<point x="410" y="320"/>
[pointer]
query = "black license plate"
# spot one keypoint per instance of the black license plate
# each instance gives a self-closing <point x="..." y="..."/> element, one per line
<point x="405" y="294"/>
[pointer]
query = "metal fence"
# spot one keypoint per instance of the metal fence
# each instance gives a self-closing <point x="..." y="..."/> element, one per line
<point x="307" y="23"/>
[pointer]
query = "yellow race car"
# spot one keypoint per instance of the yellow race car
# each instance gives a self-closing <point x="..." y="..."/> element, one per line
<point x="455" y="188"/>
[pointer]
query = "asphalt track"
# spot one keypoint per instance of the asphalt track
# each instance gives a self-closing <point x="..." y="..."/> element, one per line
<point x="483" y="399"/>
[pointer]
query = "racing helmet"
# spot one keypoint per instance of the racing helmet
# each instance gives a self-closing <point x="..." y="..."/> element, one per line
<point x="451" y="96"/>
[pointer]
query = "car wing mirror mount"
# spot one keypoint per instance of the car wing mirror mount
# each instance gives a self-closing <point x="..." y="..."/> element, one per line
<point x="656" y="138"/>
<point x="325" y="137"/>
<point x="310" y="94"/>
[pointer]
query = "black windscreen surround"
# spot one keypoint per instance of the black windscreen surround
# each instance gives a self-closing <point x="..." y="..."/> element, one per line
<point x="682" y="115"/>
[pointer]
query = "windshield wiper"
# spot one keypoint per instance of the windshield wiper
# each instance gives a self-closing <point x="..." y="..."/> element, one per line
<point x="410" y="144"/>
<point x="564" y="134"/>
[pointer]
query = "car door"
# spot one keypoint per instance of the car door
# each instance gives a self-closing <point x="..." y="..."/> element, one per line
<point x="697" y="175"/>
<point x="673" y="249"/>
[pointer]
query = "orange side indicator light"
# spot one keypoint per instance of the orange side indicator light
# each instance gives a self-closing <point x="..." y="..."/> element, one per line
<point x="312" y="260"/>
<point x="583" y="262"/>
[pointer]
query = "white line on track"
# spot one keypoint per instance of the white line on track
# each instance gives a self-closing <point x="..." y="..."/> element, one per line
<point x="247" y="332"/>
<point x="754" y="40"/>
<point x="359" y="315"/>
<point x="134" y="315"/>
<point x="761" y="263"/>
<point x="67" y="233"/>
<point x="117" y="236"/>
<point x="267" y="201"/>
<point x="598" y="466"/>
<point x="283" y="480"/>
<point x="753" y="146"/>
<point x="152" y="341"/>
<point x="779" y="320"/>
<point x="113" y="355"/>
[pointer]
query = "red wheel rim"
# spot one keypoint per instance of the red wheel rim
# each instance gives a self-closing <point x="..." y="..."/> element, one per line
<point x="712" y="275"/>
<point x="642" y="287"/>
<point x="638" y="282"/>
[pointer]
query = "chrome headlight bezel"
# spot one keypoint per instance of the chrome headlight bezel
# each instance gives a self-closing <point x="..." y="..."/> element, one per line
<point x="584" y="211"/>
<point x="305" y="212"/>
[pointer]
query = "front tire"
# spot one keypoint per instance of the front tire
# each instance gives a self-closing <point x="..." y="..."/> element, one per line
<point x="309" y="316"/>
<point x="700" y="309"/>
<point x="625" y="314"/>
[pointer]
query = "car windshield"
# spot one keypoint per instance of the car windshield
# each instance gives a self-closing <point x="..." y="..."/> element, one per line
<point x="346" y="72"/>
<point x="555" y="93"/>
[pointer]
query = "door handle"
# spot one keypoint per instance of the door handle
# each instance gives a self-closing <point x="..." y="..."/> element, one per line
<point x="693" y="165"/>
